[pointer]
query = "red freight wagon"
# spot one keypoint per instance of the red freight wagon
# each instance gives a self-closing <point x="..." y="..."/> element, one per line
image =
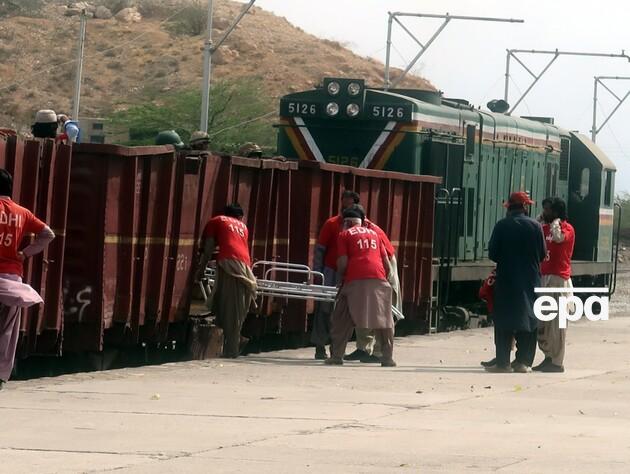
<point x="128" y="222"/>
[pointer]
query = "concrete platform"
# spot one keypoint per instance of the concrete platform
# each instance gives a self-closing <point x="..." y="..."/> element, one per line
<point x="283" y="412"/>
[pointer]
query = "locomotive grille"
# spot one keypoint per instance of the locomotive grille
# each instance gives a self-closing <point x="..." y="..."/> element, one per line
<point x="564" y="160"/>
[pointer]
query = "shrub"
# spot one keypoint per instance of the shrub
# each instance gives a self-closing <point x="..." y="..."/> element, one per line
<point x="191" y="21"/>
<point x="154" y="8"/>
<point x="116" y="5"/>
<point x="231" y="104"/>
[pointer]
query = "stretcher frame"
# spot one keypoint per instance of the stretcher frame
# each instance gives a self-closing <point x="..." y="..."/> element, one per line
<point x="272" y="288"/>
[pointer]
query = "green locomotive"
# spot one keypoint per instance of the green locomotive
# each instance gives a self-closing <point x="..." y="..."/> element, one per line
<point x="481" y="156"/>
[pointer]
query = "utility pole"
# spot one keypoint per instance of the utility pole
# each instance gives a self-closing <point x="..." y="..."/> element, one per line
<point x="207" y="65"/>
<point x="79" y="71"/>
<point x="620" y="100"/>
<point x="396" y="17"/>
<point x="555" y="54"/>
<point x="208" y="51"/>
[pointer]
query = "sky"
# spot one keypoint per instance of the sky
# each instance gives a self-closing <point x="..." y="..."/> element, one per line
<point x="468" y="59"/>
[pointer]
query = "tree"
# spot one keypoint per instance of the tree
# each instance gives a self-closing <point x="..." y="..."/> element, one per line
<point x="240" y="111"/>
<point x="623" y="200"/>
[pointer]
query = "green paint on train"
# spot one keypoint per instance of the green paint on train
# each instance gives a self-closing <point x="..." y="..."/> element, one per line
<point x="481" y="156"/>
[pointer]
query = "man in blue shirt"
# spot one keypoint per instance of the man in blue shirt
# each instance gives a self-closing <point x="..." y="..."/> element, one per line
<point x="71" y="132"/>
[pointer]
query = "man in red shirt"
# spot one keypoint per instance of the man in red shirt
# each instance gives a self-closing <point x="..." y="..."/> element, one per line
<point x="325" y="261"/>
<point x="556" y="273"/>
<point x="368" y="348"/>
<point x="16" y="222"/>
<point x="364" y="300"/>
<point x="235" y="285"/>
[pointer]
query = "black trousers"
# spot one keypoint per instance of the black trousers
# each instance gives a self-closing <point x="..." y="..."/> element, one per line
<point x="525" y="346"/>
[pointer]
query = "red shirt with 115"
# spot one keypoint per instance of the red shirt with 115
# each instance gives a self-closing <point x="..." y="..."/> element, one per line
<point x="365" y="254"/>
<point x="231" y="236"/>
<point x="15" y="222"/>
<point x="389" y="248"/>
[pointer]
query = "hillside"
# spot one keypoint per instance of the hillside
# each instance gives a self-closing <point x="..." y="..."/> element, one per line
<point x="153" y="59"/>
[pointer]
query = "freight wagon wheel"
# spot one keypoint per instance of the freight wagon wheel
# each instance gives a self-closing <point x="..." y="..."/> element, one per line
<point x="454" y="317"/>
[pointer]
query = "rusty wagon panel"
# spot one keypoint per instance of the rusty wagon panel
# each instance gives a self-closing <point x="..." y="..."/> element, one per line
<point x="128" y="221"/>
<point x="287" y="203"/>
<point x="133" y="221"/>
<point x="401" y="204"/>
<point x="41" y="172"/>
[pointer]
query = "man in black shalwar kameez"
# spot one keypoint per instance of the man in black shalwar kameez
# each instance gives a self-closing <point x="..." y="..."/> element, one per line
<point x="517" y="246"/>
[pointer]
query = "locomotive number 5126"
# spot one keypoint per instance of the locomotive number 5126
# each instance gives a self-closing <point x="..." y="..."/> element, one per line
<point x="301" y="108"/>
<point x="392" y="112"/>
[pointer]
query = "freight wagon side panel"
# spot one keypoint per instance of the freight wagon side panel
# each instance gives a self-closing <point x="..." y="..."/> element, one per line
<point x="40" y="182"/>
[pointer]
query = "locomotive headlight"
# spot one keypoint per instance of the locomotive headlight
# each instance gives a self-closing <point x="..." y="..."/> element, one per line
<point x="332" y="109"/>
<point x="333" y="88"/>
<point x="353" y="110"/>
<point x="354" y="89"/>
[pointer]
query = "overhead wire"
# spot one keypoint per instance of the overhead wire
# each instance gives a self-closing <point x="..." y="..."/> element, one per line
<point x="614" y="136"/>
<point x="399" y="53"/>
<point x="484" y="97"/>
<point x="246" y="122"/>
<point x="524" y="102"/>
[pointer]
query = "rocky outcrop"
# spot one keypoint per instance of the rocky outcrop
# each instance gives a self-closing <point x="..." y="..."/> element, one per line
<point x="129" y="15"/>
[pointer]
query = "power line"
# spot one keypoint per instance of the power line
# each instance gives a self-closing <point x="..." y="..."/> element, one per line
<point x="399" y="53"/>
<point x="255" y="119"/>
<point x="520" y="92"/>
<point x="484" y="97"/>
<point x="621" y="148"/>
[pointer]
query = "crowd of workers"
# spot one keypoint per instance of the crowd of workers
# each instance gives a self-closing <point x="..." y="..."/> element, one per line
<point x="355" y="255"/>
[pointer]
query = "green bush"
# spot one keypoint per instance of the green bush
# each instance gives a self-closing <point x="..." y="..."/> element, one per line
<point x="623" y="200"/>
<point x="155" y="8"/>
<point x="231" y="104"/>
<point x="192" y="20"/>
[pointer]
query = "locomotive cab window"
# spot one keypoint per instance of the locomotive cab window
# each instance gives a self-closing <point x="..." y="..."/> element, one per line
<point x="584" y="183"/>
<point x="608" y="175"/>
<point x="470" y="140"/>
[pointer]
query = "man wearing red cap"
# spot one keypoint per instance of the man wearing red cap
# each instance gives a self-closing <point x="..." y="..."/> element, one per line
<point x="517" y="246"/>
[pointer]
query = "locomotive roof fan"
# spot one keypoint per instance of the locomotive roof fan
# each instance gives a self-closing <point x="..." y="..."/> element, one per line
<point x="498" y="106"/>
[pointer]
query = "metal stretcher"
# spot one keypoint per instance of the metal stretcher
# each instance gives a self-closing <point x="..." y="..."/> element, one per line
<point x="307" y="290"/>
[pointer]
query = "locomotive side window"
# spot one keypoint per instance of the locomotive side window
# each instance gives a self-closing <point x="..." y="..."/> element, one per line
<point x="608" y="188"/>
<point x="584" y="183"/>
<point x="470" y="139"/>
<point x="564" y="159"/>
<point x="470" y="221"/>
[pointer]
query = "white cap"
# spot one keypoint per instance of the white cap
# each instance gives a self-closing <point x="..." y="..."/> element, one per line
<point x="45" y="116"/>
